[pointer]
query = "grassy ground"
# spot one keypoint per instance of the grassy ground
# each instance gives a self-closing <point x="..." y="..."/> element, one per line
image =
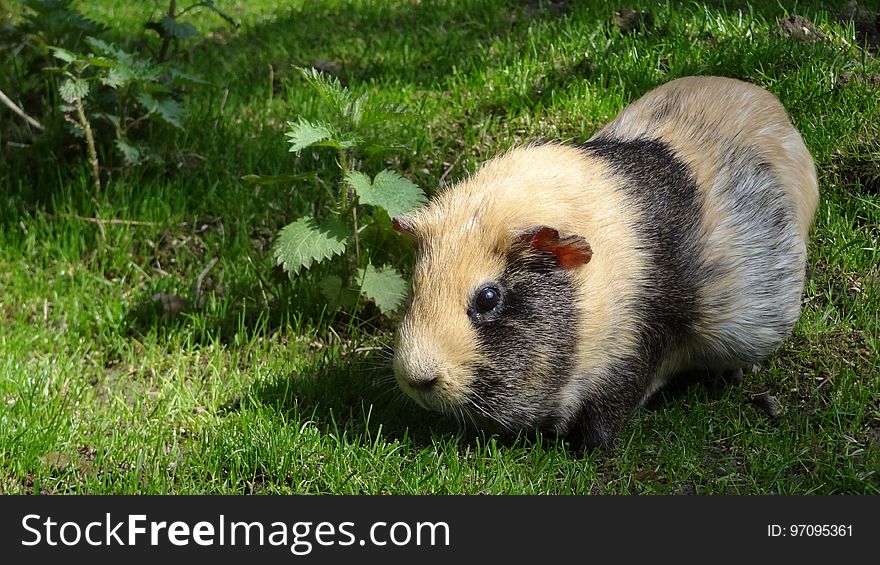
<point x="258" y="391"/>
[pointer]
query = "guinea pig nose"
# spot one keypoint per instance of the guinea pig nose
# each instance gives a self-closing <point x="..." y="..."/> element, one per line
<point x="422" y="380"/>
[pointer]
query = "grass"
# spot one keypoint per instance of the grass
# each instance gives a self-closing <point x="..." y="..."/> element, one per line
<point x="260" y="391"/>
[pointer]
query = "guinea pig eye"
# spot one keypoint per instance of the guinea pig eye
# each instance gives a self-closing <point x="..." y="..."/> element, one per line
<point x="487" y="299"/>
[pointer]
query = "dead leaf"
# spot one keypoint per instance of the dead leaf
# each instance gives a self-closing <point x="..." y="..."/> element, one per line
<point x="767" y="403"/>
<point x="800" y="28"/>
<point x="172" y="304"/>
<point x="628" y="20"/>
<point x="55" y="460"/>
<point x="865" y="22"/>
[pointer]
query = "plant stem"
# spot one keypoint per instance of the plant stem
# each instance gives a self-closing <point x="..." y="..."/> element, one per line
<point x="197" y="295"/>
<point x="271" y="83"/>
<point x="343" y="196"/>
<point x="166" y="36"/>
<point x="14" y="107"/>
<point x="112" y="221"/>
<point x="188" y="8"/>
<point x="90" y="143"/>
<point x="132" y="124"/>
<point x="345" y="207"/>
<point x="357" y="246"/>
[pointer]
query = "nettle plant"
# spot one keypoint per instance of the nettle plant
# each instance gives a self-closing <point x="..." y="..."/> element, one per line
<point x="351" y="235"/>
<point x="128" y="92"/>
<point x="110" y="95"/>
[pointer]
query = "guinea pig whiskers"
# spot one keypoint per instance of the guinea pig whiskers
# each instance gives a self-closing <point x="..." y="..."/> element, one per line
<point x="387" y="387"/>
<point x="470" y="415"/>
<point x="384" y="381"/>
<point x="397" y="401"/>
<point x="492" y="417"/>
<point x="377" y="359"/>
<point x="391" y="392"/>
<point x="458" y="415"/>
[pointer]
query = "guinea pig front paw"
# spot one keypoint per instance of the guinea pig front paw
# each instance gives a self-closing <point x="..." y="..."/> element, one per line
<point x="591" y="432"/>
<point x="719" y="379"/>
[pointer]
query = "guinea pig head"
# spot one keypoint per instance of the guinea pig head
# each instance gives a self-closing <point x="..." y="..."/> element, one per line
<point x="490" y="330"/>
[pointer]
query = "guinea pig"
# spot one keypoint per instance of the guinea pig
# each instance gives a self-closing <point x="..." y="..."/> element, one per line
<point x="562" y="284"/>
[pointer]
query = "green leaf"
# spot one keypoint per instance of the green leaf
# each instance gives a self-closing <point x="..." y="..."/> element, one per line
<point x="354" y="110"/>
<point x="135" y="154"/>
<point x="64" y="54"/>
<point x="337" y="143"/>
<point x="180" y="76"/>
<point x="385" y="287"/>
<point x="166" y="108"/>
<point x="392" y="192"/>
<point x="171" y="111"/>
<point x="330" y="89"/>
<point x="376" y="114"/>
<point x="102" y="46"/>
<point x="371" y="148"/>
<point x="143" y="71"/>
<point x="178" y="30"/>
<point x="131" y="153"/>
<point x="56" y="17"/>
<point x="102" y="62"/>
<point x="147" y="100"/>
<point x="361" y="184"/>
<point x="337" y="295"/>
<point x="73" y="89"/>
<point x="117" y="77"/>
<point x="305" y="242"/>
<point x="303" y="133"/>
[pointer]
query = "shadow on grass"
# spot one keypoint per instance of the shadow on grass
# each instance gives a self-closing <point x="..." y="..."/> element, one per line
<point x="357" y="398"/>
<point x="249" y="310"/>
<point x="418" y="44"/>
<point x="360" y="43"/>
<point x="680" y="386"/>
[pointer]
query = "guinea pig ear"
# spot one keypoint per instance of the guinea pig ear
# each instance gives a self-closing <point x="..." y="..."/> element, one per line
<point x="403" y="225"/>
<point x="570" y="251"/>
